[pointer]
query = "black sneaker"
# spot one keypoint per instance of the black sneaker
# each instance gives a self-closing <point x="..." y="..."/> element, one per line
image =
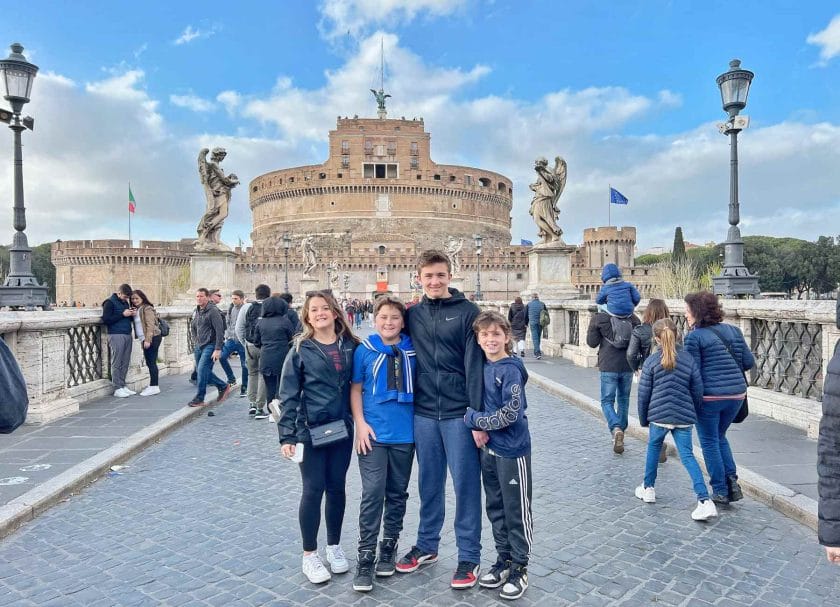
<point x="413" y="559"/>
<point x="466" y="575"/>
<point x="363" y="580"/>
<point x="243" y="392"/>
<point x="735" y="493"/>
<point x="720" y="499"/>
<point x="261" y="414"/>
<point x="497" y="575"/>
<point x="516" y="584"/>
<point x="252" y="410"/>
<point x="385" y="564"/>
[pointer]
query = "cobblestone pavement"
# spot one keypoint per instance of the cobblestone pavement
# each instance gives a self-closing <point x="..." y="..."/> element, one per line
<point x="209" y="517"/>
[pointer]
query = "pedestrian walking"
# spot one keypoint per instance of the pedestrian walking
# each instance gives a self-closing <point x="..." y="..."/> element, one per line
<point x="382" y="401"/>
<point x="670" y="396"/>
<point x="535" y="322"/>
<point x="273" y="336"/>
<point x="246" y="327"/>
<point x="518" y="319"/>
<point x="291" y="313"/>
<point x="317" y="430"/>
<point x="828" y="458"/>
<point x="611" y="335"/>
<point x="232" y="344"/>
<point x="725" y="357"/>
<point x="208" y="336"/>
<point x="118" y="318"/>
<point x="147" y="331"/>
<point x="506" y="458"/>
<point x="449" y="379"/>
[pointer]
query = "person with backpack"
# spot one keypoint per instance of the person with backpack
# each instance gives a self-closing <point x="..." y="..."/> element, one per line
<point x="535" y="310"/>
<point x="518" y="319"/>
<point x="246" y="332"/>
<point x="611" y="335"/>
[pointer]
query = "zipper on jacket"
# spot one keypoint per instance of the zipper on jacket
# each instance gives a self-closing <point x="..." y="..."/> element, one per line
<point x="436" y="315"/>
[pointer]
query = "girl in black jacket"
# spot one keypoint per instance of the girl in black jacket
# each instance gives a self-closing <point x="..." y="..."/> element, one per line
<point x="641" y="339"/>
<point x="273" y="334"/>
<point x="315" y="390"/>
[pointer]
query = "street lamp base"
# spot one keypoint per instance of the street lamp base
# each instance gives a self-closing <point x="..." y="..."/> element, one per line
<point x="736" y="286"/>
<point x="27" y="297"/>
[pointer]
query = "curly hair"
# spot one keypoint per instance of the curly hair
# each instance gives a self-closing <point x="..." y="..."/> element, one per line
<point x="705" y="307"/>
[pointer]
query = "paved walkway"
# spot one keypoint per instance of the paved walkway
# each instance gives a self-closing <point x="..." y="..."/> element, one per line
<point x="778" y="460"/>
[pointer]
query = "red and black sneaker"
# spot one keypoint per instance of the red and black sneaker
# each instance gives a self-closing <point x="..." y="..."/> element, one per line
<point x="466" y="575"/>
<point x="413" y="559"/>
<point x="223" y="394"/>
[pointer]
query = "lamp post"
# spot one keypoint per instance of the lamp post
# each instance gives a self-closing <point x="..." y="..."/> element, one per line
<point x="734" y="280"/>
<point x="287" y="244"/>
<point x="477" y="240"/>
<point x="20" y="288"/>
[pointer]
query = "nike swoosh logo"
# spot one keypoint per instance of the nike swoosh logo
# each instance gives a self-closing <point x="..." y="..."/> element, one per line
<point x="447" y="319"/>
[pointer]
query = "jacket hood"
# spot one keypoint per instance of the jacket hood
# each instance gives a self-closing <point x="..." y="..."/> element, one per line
<point x="610" y="271"/>
<point x="515" y="361"/>
<point x="456" y="298"/>
<point x="274" y="306"/>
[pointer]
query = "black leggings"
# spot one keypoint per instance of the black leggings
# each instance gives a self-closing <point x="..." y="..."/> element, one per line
<point x="323" y="470"/>
<point x="272" y="382"/>
<point x="150" y="355"/>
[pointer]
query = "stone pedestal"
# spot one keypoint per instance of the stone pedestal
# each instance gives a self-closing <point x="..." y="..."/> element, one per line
<point x="213" y="270"/>
<point x="307" y="283"/>
<point x="550" y="272"/>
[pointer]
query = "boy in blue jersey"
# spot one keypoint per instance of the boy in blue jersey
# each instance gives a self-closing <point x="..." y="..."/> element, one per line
<point x="382" y="401"/>
<point x="506" y="458"/>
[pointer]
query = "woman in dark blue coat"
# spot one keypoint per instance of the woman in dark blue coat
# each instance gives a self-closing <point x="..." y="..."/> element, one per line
<point x="723" y="356"/>
<point x="274" y="333"/>
<point x="828" y="458"/>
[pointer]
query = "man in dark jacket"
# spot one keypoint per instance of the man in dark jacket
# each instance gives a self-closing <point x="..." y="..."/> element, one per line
<point x="450" y="378"/>
<point x="616" y="374"/>
<point x="828" y="458"/>
<point x="118" y="317"/>
<point x="208" y="329"/>
<point x="534" y="309"/>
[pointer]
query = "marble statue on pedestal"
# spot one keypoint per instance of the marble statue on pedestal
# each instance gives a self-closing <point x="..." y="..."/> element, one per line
<point x="310" y="259"/>
<point x="217" y="188"/>
<point x="547" y="189"/>
<point x="453" y="250"/>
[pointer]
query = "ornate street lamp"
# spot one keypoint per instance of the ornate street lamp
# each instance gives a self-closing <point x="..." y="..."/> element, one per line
<point x="21" y="288"/>
<point x="735" y="280"/>
<point x="287" y="244"/>
<point x="477" y="240"/>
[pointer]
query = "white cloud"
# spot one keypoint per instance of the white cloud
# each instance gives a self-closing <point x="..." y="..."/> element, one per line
<point x="354" y="17"/>
<point x="190" y="33"/>
<point x="828" y="40"/>
<point x="192" y="102"/>
<point x="230" y="100"/>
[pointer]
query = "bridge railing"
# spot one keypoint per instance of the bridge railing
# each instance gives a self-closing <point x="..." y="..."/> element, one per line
<point x="792" y="342"/>
<point x="65" y="358"/>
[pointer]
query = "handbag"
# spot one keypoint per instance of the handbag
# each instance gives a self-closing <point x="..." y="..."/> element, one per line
<point x="329" y="433"/>
<point x="744" y="411"/>
<point x="162" y="325"/>
<point x="545" y="318"/>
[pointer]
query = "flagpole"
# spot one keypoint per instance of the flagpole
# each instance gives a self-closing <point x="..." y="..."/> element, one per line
<point x="609" y="206"/>
<point x="130" y="243"/>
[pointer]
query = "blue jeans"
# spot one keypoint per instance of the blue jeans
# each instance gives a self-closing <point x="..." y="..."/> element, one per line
<point x="615" y="390"/>
<point x="714" y="419"/>
<point x="233" y="345"/>
<point x="204" y="368"/>
<point x="442" y="443"/>
<point x="536" y="336"/>
<point x="682" y="439"/>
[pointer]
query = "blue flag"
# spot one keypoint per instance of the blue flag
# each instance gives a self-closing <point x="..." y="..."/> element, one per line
<point x="525" y="243"/>
<point x="617" y="197"/>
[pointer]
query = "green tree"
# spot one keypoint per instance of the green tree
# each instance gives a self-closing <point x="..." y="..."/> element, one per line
<point x="678" y="253"/>
<point x="650" y="259"/>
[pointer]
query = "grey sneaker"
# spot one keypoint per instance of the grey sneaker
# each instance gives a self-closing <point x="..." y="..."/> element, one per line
<point x="386" y="563"/>
<point x="363" y="580"/>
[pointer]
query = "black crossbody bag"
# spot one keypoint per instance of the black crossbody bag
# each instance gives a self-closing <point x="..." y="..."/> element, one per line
<point x="324" y="435"/>
<point x="744" y="411"/>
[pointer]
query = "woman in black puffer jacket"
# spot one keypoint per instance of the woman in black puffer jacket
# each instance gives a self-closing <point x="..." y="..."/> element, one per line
<point x="641" y="340"/>
<point x="828" y="458"/>
<point x="518" y="318"/>
<point x="274" y="333"/>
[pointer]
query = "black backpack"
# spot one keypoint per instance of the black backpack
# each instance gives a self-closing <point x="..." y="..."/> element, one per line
<point x="622" y="329"/>
<point x="251" y="317"/>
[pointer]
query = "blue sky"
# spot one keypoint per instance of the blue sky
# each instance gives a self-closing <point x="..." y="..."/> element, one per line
<point x="625" y="91"/>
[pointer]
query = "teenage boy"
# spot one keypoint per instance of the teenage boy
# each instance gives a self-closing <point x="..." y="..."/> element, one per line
<point x="245" y="330"/>
<point x="118" y="316"/>
<point x="232" y="344"/>
<point x="449" y="379"/>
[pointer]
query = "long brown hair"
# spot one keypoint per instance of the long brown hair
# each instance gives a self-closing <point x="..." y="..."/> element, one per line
<point x="656" y="309"/>
<point x="342" y="329"/>
<point x="666" y="332"/>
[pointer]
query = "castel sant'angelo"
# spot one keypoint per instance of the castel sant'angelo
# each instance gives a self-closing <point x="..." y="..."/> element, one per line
<point x="367" y="211"/>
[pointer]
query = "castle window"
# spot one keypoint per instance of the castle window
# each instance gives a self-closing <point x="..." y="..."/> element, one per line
<point x="437" y="177"/>
<point x="368" y="146"/>
<point x="345" y="147"/>
<point x="502" y="187"/>
<point x="452" y="178"/>
<point x="382" y="249"/>
<point x="484" y="182"/>
<point x="322" y="175"/>
<point x="415" y="162"/>
<point x="380" y="170"/>
<point x="419" y="177"/>
<point x="291" y="179"/>
<point x="392" y="148"/>
<point x="519" y="276"/>
<point x="332" y="203"/>
<point x="345" y="161"/>
<point x="340" y="175"/>
<point x="254" y="189"/>
<point x="414" y="149"/>
<point x="468" y="180"/>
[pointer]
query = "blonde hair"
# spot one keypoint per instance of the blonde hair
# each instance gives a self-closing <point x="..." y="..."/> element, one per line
<point x="666" y="332"/>
<point x="487" y="319"/>
<point x="342" y="329"/>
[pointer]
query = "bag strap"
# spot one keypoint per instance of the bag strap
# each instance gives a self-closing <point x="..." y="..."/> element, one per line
<point x="726" y="344"/>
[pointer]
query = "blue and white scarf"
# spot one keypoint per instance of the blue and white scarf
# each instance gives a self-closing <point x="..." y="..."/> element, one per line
<point x="405" y="351"/>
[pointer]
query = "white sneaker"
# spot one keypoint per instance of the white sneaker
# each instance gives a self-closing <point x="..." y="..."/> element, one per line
<point x="314" y="569"/>
<point x="122" y="393"/>
<point x="130" y="391"/>
<point x="646" y="494"/>
<point x="337" y="559"/>
<point x="150" y="391"/>
<point x="704" y="511"/>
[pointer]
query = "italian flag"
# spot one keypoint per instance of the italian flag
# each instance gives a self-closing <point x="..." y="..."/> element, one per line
<point x="131" y="204"/>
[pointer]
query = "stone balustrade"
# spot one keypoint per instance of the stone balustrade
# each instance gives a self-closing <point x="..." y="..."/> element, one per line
<point x="792" y="341"/>
<point x="65" y="358"/>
